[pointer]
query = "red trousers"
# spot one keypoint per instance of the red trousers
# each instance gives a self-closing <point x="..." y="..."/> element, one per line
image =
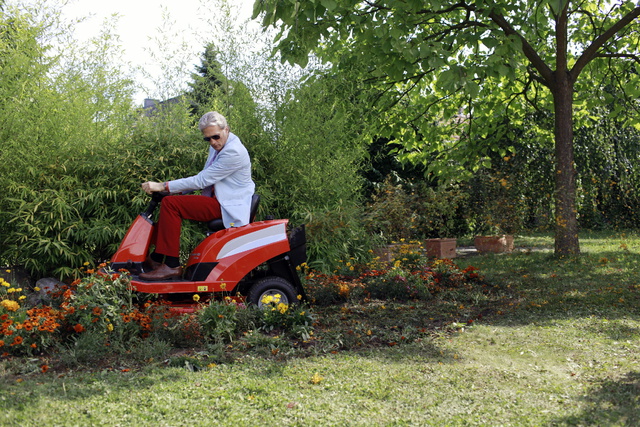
<point x="173" y="209"/>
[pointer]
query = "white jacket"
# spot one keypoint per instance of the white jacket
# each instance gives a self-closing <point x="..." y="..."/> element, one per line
<point x="229" y="174"/>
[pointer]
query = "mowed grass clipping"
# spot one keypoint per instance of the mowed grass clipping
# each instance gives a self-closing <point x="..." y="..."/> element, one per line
<point x="564" y="349"/>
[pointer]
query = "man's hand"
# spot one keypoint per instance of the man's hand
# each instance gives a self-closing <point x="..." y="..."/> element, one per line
<point x="152" y="187"/>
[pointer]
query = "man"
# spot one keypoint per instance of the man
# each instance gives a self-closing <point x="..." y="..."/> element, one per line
<point x="226" y="186"/>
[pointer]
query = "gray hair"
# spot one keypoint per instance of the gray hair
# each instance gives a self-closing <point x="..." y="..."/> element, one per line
<point x="212" y="118"/>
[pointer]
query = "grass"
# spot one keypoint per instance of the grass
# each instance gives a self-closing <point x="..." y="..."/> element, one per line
<point x="556" y="343"/>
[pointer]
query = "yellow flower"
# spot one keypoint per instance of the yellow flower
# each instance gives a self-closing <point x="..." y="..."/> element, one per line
<point x="10" y="305"/>
<point x="282" y="308"/>
<point x="223" y="286"/>
<point x="37" y="289"/>
<point x="22" y="297"/>
<point x="316" y="378"/>
<point x="110" y="327"/>
<point x="196" y="297"/>
<point x="267" y="299"/>
<point x="299" y="297"/>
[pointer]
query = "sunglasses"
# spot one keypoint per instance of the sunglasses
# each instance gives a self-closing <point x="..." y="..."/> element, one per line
<point x="214" y="137"/>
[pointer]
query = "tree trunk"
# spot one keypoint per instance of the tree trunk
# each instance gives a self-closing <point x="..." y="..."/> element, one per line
<point x="566" y="238"/>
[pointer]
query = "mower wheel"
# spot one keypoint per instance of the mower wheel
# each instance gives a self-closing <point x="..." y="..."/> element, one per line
<point x="272" y="286"/>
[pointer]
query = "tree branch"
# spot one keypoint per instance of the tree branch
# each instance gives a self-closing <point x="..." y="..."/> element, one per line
<point x="592" y="51"/>
<point x="527" y="49"/>
<point x="636" y="58"/>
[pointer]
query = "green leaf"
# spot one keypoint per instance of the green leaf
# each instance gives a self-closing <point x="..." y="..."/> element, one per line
<point x="330" y="5"/>
<point x="473" y="88"/>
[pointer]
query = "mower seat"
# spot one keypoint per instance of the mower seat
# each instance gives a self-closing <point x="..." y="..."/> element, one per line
<point x="217" y="224"/>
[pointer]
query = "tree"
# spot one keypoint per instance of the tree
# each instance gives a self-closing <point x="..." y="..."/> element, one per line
<point x="208" y="80"/>
<point x="455" y="77"/>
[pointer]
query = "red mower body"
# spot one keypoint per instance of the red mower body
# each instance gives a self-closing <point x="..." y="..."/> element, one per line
<point x="250" y="261"/>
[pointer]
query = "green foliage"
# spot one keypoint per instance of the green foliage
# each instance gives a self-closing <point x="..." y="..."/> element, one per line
<point x="74" y="158"/>
<point x="225" y="321"/>
<point x="308" y="171"/>
<point x="294" y="319"/>
<point x="207" y="83"/>
<point x="414" y="210"/>
<point x="391" y="212"/>
<point x="500" y="207"/>
<point x="606" y="155"/>
<point x="219" y="321"/>
<point x="57" y="122"/>
<point x="484" y="66"/>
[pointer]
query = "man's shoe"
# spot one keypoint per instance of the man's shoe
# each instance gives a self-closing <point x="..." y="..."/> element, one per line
<point x="150" y="265"/>
<point x="163" y="272"/>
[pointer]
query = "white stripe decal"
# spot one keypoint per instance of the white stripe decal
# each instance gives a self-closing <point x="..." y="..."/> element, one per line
<point x="257" y="239"/>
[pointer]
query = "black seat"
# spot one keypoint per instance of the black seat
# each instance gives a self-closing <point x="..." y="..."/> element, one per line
<point x="217" y="224"/>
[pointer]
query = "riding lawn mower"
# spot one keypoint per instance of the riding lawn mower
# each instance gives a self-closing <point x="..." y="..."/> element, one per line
<point x="248" y="263"/>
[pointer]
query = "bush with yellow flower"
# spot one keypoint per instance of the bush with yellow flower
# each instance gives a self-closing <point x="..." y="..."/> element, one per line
<point x="278" y="316"/>
<point x="23" y="329"/>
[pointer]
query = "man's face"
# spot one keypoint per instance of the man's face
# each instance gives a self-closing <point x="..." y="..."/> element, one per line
<point x="213" y="132"/>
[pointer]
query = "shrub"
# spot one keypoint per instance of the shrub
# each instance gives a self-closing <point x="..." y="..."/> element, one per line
<point x="413" y="209"/>
<point x="219" y="320"/>
<point x="293" y="319"/>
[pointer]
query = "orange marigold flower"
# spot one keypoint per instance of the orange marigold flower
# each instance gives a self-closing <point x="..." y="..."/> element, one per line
<point x="17" y="340"/>
<point x="97" y="311"/>
<point x="1" y="343"/>
<point x="44" y="368"/>
<point x="78" y="328"/>
<point x="67" y="294"/>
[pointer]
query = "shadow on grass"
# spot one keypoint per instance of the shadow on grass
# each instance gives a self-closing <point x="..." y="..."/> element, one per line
<point x="31" y="391"/>
<point x="612" y="402"/>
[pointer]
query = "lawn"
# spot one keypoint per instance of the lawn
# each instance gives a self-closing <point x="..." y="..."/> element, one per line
<point x="555" y="342"/>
